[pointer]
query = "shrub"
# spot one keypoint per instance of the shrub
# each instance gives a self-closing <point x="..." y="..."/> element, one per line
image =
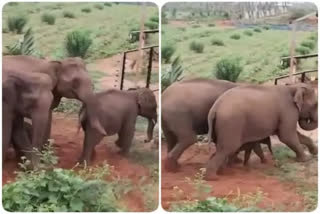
<point x="24" y="46"/>
<point x="308" y="44"/>
<point x="228" y="69"/>
<point x="235" y="36"/>
<point x="99" y="6"/>
<point x="48" y="18"/>
<point x="196" y="26"/>
<point x="285" y="63"/>
<point x="217" y="42"/>
<point x="154" y="19"/>
<point x="108" y="4"/>
<point x="151" y="25"/>
<point x="258" y="30"/>
<point x="266" y="27"/>
<point x="68" y="106"/>
<point x="303" y="50"/>
<point x="78" y="43"/>
<point x="248" y="32"/>
<point x="5" y="30"/>
<point x="68" y="14"/>
<point x="172" y="74"/>
<point x="211" y="25"/>
<point x="197" y="47"/>
<point x="86" y="10"/>
<point x="313" y="37"/>
<point x="16" y="23"/>
<point x="166" y="52"/>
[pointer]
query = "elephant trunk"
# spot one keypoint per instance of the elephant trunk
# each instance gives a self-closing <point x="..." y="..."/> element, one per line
<point x="308" y="124"/>
<point x="151" y="124"/>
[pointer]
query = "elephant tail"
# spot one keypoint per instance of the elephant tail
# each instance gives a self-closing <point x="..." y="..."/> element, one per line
<point x="81" y="116"/>
<point x="269" y="147"/>
<point x="211" y="122"/>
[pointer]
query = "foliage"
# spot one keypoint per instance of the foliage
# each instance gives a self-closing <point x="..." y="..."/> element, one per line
<point x="266" y="27"/>
<point x="86" y="10"/>
<point x="211" y="25"/>
<point x="228" y="69"/>
<point x="164" y="18"/>
<point x="68" y="106"/>
<point x="48" y="18"/>
<point x="172" y="74"/>
<point x="16" y="23"/>
<point x="25" y="46"/>
<point x="199" y="184"/>
<point x="308" y="44"/>
<point x="68" y="14"/>
<point x="167" y="50"/>
<point x="303" y="50"/>
<point x="99" y="6"/>
<point x="108" y="4"/>
<point x="151" y="25"/>
<point x="196" y="46"/>
<point x="77" y="43"/>
<point x="217" y="42"/>
<point x="258" y="30"/>
<point x="285" y="63"/>
<point x="313" y="37"/>
<point x="235" y="36"/>
<point x="248" y="32"/>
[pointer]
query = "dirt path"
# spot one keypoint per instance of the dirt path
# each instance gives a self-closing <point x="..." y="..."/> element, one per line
<point x="68" y="147"/>
<point x="233" y="181"/>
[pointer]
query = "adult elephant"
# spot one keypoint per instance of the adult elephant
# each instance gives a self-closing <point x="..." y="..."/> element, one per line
<point x="25" y="95"/>
<point x="254" y="112"/>
<point x="184" y="110"/>
<point x="118" y="111"/>
<point x="69" y="78"/>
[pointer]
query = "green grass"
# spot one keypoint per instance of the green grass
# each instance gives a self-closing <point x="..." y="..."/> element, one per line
<point x="109" y="36"/>
<point x="260" y="54"/>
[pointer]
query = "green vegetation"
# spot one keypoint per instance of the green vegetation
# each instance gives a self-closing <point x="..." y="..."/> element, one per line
<point x="167" y="50"/>
<point x="23" y="47"/>
<point x="16" y="23"/>
<point x="48" y="18"/>
<point x="308" y="44"/>
<point x="303" y="50"/>
<point x="86" y="10"/>
<point x="257" y="30"/>
<point x="196" y="46"/>
<point x="211" y="25"/>
<point x="217" y="42"/>
<point x="266" y="27"/>
<point x="78" y="43"/>
<point x="98" y="6"/>
<point x="108" y="4"/>
<point x="235" y="36"/>
<point x="68" y="14"/>
<point x="172" y="74"/>
<point x="228" y="69"/>
<point x="248" y="32"/>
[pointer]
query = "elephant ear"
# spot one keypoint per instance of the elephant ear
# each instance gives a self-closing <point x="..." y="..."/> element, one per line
<point x="146" y="98"/>
<point x="298" y="97"/>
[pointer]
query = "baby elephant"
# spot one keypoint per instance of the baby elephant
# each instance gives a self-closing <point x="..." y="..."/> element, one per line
<point x="118" y="111"/>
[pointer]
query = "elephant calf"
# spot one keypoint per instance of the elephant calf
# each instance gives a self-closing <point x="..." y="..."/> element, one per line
<point x="118" y="111"/>
<point x="254" y="112"/>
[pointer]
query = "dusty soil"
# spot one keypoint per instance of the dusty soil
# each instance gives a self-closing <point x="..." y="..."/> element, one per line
<point x="234" y="180"/>
<point x="68" y="147"/>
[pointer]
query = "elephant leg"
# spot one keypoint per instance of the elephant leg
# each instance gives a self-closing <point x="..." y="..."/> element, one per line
<point x="215" y="164"/>
<point x="185" y="139"/>
<point x="91" y="138"/>
<point x="258" y="150"/>
<point x="7" y="123"/>
<point x="313" y="149"/>
<point x="48" y="131"/>
<point x="125" y="137"/>
<point x="247" y="155"/>
<point x="170" y="138"/>
<point x="292" y="141"/>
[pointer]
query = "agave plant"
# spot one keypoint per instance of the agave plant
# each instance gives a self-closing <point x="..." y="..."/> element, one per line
<point x="25" y="45"/>
<point x="172" y="74"/>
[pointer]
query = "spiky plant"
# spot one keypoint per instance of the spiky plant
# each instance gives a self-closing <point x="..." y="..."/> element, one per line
<point x="24" y="46"/>
<point x="77" y="43"/>
<point x="172" y="74"/>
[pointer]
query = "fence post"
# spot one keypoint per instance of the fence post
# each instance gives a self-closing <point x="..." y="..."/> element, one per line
<point x="149" y="67"/>
<point x="303" y="76"/>
<point x="123" y="69"/>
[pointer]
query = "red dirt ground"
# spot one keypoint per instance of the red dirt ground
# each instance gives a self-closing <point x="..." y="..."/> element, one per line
<point x="237" y="178"/>
<point x="68" y="146"/>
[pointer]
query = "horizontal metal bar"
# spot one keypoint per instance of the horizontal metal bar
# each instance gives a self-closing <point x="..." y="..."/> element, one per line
<point x="146" y="31"/>
<point x="295" y="74"/>
<point x="301" y="56"/>
<point x="148" y="47"/>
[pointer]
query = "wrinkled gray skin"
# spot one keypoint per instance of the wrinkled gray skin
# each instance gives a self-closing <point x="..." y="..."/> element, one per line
<point x="118" y="111"/>
<point x="261" y="111"/>
<point x="184" y="114"/>
<point x="25" y="95"/>
<point x="69" y="78"/>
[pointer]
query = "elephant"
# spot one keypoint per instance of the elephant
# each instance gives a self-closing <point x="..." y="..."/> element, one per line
<point x="69" y="78"/>
<point x="261" y="111"/>
<point x="118" y="111"/>
<point x="25" y="95"/>
<point x="184" y="110"/>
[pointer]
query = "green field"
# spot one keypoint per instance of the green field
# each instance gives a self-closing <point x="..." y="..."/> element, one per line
<point x="109" y="26"/>
<point x="259" y="54"/>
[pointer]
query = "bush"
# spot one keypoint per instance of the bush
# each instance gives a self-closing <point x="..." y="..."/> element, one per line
<point x="211" y="25"/>
<point x="24" y="46"/>
<point x="151" y="25"/>
<point x="172" y="74"/>
<point x="16" y="23"/>
<point x="235" y="36"/>
<point x="99" y="6"/>
<point x="78" y="43"/>
<point x="313" y="37"/>
<point x="308" y="44"/>
<point x="86" y="10"/>
<point x="258" y="30"/>
<point x="108" y="4"/>
<point x="154" y="19"/>
<point x="248" y="32"/>
<point x="228" y="69"/>
<point x="196" y="47"/>
<point x="166" y="52"/>
<point x="303" y="50"/>
<point x="285" y="63"/>
<point x="48" y="18"/>
<point x="266" y="27"/>
<point x="196" y="26"/>
<point x="217" y="42"/>
<point x="68" y="14"/>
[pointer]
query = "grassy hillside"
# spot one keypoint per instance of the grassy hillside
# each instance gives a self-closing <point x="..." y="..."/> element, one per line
<point x="108" y="24"/>
<point x="259" y="54"/>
